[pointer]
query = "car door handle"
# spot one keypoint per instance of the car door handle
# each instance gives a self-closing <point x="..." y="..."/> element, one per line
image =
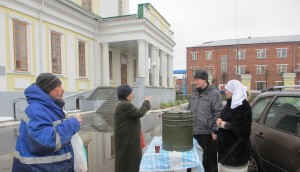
<point x="298" y="149"/>
<point x="261" y="135"/>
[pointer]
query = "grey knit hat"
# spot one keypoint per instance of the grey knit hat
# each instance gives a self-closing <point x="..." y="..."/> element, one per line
<point x="201" y="74"/>
<point x="47" y="82"/>
<point x="123" y="91"/>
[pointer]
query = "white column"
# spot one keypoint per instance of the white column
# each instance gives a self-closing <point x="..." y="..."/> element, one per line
<point x="141" y="59"/>
<point x="161" y="69"/>
<point x="157" y="68"/>
<point x="170" y="71"/>
<point x="97" y="62"/>
<point x="153" y="64"/>
<point x="147" y="64"/>
<point x="105" y="66"/>
<point x="72" y="64"/>
<point x="43" y="64"/>
<point x="38" y="51"/>
<point x="117" y="67"/>
<point x="164" y="69"/>
<point x="4" y="58"/>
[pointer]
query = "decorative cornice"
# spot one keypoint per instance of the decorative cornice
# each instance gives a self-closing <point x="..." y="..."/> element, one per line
<point x="118" y="18"/>
<point x="47" y="10"/>
<point x="108" y="24"/>
<point x="58" y="5"/>
<point x="23" y="5"/>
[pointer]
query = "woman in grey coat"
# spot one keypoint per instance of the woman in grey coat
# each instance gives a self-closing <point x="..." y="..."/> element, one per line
<point x="127" y="130"/>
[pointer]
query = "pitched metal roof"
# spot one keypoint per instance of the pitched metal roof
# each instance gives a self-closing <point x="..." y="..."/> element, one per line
<point x="250" y="40"/>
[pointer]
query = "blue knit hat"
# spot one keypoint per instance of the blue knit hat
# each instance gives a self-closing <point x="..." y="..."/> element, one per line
<point x="123" y="91"/>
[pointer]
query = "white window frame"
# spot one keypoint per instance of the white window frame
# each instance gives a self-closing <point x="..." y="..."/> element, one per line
<point x="86" y="57"/>
<point x="261" y="69"/>
<point x="261" y="54"/>
<point x="194" y="55"/>
<point x="52" y="29"/>
<point x="240" y="70"/>
<point x="208" y="55"/>
<point x="259" y="82"/>
<point x="241" y="54"/>
<point x="279" y="83"/>
<point x="61" y="49"/>
<point x="281" y="68"/>
<point x="282" y="52"/>
<point x="297" y="69"/>
<point x="224" y="59"/>
<point x="29" y="43"/>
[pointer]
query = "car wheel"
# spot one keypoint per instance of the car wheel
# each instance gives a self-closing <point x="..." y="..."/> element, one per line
<point x="253" y="165"/>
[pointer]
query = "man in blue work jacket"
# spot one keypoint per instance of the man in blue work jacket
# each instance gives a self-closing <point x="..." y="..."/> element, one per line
<point x="44" y="139"/>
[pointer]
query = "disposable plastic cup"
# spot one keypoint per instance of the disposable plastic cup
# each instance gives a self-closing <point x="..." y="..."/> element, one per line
<point x="157" y="148"/>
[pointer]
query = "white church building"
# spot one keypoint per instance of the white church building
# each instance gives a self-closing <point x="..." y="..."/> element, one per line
<point x="90" y="45"/>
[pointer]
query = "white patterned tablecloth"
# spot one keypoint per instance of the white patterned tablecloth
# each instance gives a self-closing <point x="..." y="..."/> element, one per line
<point x="171" y="160"/>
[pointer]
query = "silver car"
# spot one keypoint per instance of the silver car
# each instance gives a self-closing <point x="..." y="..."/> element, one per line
<point x="275" y="134"/>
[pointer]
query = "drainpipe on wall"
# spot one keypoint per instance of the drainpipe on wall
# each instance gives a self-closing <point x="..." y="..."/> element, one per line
<point x="228" y="61"/>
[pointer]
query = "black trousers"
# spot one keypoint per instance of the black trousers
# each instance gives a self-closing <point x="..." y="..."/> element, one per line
<point x="209" y="147"/>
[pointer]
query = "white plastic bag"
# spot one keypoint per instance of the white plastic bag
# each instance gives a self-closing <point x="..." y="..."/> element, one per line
<point x="80" y="157"/>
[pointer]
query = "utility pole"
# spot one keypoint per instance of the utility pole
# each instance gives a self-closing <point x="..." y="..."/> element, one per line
<point x="266" y="78"/>
<point x="237" y="42"/>
<point x="237" y="60"/>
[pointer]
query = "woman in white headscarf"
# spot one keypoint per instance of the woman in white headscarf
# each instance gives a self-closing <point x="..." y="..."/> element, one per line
<point x="233" y="140"/>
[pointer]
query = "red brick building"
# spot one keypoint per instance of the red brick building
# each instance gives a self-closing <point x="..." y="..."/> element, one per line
<point x="264" y="58"/>
<point x="179" y="86"/>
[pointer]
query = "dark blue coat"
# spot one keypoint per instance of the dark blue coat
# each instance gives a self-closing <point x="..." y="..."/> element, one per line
<point x="43" y="143"/>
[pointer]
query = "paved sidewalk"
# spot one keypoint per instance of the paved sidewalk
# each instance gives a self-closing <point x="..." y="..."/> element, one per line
<point x="8" y="121"/>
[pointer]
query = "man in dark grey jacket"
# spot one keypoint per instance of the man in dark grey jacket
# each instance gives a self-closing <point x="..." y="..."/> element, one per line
<point x="206" y="105"/>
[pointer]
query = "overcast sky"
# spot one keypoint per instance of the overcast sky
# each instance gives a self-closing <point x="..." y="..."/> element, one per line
<point x="196" y="21"/>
